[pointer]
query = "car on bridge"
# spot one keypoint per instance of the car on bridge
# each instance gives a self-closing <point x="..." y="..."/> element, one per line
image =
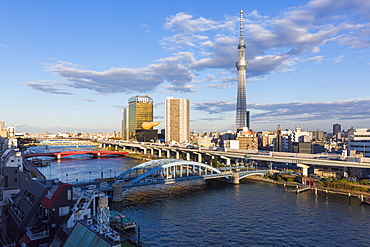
<point x="91" y="187"/>
<point x="104" y="184"/>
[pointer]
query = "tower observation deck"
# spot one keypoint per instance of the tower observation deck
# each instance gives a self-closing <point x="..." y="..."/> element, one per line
<point x="241" y="65"/>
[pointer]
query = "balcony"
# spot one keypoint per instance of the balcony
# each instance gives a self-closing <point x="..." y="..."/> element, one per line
<point x="36" y="232"/>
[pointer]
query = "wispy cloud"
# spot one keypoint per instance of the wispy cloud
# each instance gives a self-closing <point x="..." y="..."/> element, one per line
<point x="294" y="111"/>
<point x="120" y="107"/>
<point x="214" y="107"/>
<point x="212" y="118"/>
<point x="53" y="87"/>
<point x="89" y="100"/>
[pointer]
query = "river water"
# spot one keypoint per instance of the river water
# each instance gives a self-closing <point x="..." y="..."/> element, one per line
<point x="253" y="213"/>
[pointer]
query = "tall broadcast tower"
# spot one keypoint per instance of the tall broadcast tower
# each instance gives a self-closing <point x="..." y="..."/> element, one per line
<point x="241" y="65"/>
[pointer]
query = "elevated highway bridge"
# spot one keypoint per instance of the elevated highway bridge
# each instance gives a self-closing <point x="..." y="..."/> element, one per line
<point x="205" y="155"/>
<point x="64" y="142"/>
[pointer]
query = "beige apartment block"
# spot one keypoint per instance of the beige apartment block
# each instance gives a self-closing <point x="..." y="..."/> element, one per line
<point x="177" y="120"/>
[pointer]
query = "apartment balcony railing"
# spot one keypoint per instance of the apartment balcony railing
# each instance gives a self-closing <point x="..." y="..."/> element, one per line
<point x="35" y="233"/>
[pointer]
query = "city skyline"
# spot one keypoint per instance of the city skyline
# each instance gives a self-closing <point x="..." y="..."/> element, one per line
<point x="72" y="66"/>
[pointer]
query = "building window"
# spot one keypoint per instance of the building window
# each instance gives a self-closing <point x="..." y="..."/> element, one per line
<point x="15" y="180"/>
<point x="69" y="195"/>
<point x="63" y="211"/>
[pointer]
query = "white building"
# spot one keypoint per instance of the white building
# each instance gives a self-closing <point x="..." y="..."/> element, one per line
<point x="359" y="140"/>
<point x="177" y="120"/>
<point x="297" y="133"/>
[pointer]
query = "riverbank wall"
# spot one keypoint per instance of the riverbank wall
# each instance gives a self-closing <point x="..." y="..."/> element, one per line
<point x="327" y="190"/>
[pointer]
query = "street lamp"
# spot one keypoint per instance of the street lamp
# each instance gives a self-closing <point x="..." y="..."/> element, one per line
<point x="90" y="176"/>
<point x="66" y="178"/>
<point x="110" y="175"/>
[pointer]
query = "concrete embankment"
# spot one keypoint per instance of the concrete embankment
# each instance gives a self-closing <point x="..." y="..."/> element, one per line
<point x="350" y="193"/>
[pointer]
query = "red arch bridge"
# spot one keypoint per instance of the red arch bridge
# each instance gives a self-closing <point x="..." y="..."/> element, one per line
<point x="61" y="155"/>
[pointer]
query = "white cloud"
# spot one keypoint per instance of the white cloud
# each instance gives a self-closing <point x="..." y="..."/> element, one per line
<point x="274" y="45"/>
<point x="121" y="80"/>
<point x="338" y="59"/>
<point x="208" y="78"/>
<point x="181" y="88"/>
<point x="317" y="59"/>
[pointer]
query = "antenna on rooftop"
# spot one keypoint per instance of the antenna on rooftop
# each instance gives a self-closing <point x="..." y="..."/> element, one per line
<point x="241" y="23"/>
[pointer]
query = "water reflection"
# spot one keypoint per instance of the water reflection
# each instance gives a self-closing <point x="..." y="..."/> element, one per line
<point x="218" y="214"/>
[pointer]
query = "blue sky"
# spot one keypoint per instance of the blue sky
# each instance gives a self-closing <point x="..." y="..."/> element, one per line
<point x="72" y="65"/>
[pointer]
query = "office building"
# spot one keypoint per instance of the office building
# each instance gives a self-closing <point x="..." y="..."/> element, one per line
<point x="140" y="110"/>
<point x="177" y="120"/>
<point x="3" y="130"/>
<point x="241" y="65"/>
<point x="298" y="133"/>
<point x="336" y="128"/>
<point x="318" y="135"/>
<point x="247" y="139"/>
<point x="359" y="141"/>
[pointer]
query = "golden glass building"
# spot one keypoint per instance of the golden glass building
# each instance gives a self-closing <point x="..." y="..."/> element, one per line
<point x="140" y="109"/>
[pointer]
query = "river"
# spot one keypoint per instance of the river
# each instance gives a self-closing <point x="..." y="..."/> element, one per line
<point x="253" y="213"/>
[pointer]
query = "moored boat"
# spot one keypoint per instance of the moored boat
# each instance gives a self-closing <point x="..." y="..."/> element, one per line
<point x="118" y="220"/>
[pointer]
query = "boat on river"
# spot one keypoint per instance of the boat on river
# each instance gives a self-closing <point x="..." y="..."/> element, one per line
<point x="118" y="220"/>
<point x="39" y="162"/>
<point x="366" y="200"/>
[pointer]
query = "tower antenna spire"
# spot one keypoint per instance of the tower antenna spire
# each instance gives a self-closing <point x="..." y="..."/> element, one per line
<point x="241" y="65"/>
<point x="241" y="23"/>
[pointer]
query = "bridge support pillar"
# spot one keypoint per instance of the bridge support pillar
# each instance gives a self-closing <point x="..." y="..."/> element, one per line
<point x="152" y="151"/>
<point x="187" y="156"/>
<point x="144" y="150"/>
<point x="177" y="155"/>
<point x="168" y="154"/>
<point x="159" y="153"/>
<point x="227" y="160"/>
<point x="304" y="169"/>
<point x="234" y="179"/>
<point x="200" y="158"/>
<point x="117" y="193"/>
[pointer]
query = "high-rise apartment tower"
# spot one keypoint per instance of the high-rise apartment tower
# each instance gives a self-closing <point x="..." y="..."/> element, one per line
<point x="125" y="133"/>
<point x="241" y="65"/>
<point x="336" y="128"/>
<point x="177" y="120"/>
<point x="140" y="109"/>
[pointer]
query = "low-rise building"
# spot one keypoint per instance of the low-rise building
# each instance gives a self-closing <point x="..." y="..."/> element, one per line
<point x="359" y="140"/>
<point x="247" y="139"/>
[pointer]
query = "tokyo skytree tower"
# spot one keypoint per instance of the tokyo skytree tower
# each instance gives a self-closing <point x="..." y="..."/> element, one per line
<point x="241" y="65"/>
